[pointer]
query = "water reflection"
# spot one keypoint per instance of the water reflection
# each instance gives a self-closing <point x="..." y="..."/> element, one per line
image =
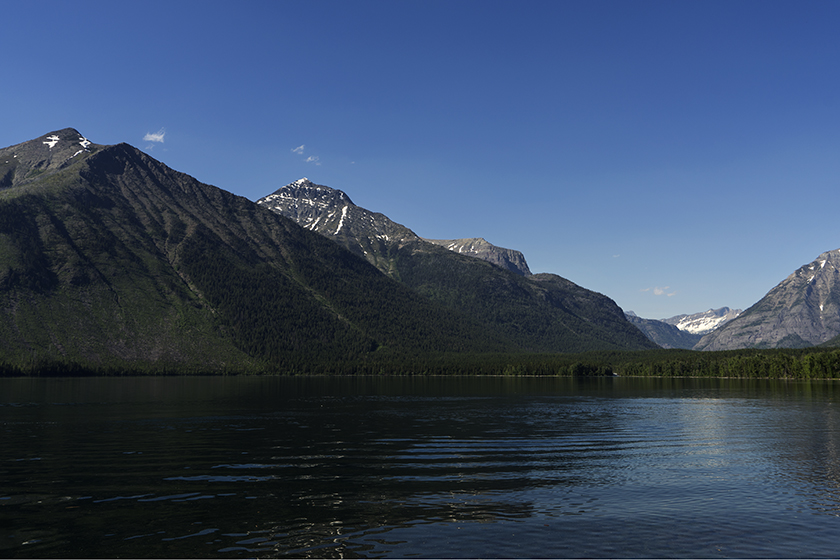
<point x="325" y="467"/>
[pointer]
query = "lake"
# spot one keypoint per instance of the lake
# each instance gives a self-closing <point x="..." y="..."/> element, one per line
<point x="418" y="467"/>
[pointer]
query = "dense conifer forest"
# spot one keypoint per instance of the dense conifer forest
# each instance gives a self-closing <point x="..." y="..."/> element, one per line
<point x="810" y="363"/>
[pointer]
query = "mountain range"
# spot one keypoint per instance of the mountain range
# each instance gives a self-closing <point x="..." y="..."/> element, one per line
<point x="110" y="258"/>
<point x="400" y="253"/>
<point x="683" y="331"/>
<point x="537" y="312"/>
<point x="801" y="311"/>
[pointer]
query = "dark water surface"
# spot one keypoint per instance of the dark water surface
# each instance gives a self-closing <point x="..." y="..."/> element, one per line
<point x="418" y="467"/>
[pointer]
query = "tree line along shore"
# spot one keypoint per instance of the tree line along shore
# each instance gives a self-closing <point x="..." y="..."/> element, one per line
<point x="804" y="363"/>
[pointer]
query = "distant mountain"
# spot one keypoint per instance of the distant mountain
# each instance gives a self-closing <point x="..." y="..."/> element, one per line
<point x="664" y="334"/>
<point x="108" y="257"/>
<point x="705" y="322"/>
<point x="508" y="259"/>
<point x="542" y="312"/>
<point x="803" y="310"/>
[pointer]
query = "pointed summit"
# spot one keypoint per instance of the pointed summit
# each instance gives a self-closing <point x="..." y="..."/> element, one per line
<point x="22" y="163"/>
<point x="305" y="197"/>
<point x="802" y="310"/>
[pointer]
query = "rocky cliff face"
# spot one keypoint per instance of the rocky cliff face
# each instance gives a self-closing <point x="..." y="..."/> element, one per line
<point x="803" y="310"/>
<point x="509" y="259"/>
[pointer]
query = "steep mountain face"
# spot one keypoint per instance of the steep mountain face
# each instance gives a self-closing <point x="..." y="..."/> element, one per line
<point x="478" y="247"/>
<point x="803" y="310"/>
<point x="331" y="213"/>
<point x="109" y="257"/>
<point x="537" y="313"/>
<point x="705" y="322"/>
<point x="664" y="334"/>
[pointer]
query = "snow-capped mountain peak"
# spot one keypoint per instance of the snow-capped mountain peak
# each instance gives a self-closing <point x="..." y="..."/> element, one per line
<point x="302" y="196"/>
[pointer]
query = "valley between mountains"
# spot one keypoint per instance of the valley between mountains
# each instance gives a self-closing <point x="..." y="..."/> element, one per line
<point x="112" y="262"/>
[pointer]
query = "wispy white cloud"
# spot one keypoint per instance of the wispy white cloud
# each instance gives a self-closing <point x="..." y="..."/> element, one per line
<point x="660" y="291"/>
<point x="155" y="136"/>
<point x="311" y="159"/>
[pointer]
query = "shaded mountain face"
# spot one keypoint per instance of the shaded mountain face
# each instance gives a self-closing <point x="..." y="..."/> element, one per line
<point x="541" y="312"/>
<point x="109" y="257"/>
<point x="705" y="322"/>
<point x="803" y="310"/>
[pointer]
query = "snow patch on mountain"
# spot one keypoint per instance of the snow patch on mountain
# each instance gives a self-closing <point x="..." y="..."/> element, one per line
<point x="705" y="322"/>
<point x="341" y="221"/>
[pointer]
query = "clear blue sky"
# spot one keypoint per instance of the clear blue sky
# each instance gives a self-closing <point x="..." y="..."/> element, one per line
<point x="673" y="155"/>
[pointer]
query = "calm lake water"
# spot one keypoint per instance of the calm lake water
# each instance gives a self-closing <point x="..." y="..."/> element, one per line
<point x="418" y="467"/>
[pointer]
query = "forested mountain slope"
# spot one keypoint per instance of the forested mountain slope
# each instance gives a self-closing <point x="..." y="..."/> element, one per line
<point x="109" y="257"/>
<point x="543" y="312"/>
